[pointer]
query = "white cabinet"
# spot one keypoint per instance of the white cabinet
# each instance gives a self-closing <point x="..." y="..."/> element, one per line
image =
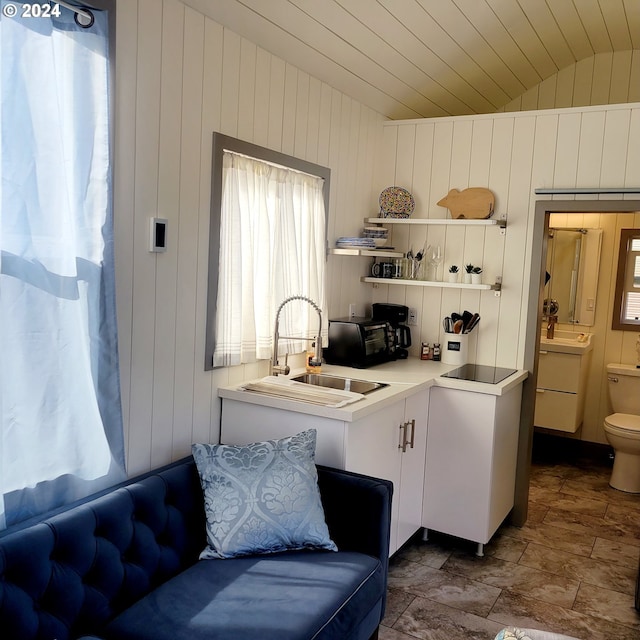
<point x="471" y="461"/>
<point x="389" y="443"/>
<point x="561" y="388"/>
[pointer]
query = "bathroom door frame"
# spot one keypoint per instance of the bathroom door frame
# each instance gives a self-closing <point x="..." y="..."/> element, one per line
<point x="543" y="209"/>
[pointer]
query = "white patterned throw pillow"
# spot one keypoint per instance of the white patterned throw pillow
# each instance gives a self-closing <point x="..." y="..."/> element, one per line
<point x="261" y="498"/>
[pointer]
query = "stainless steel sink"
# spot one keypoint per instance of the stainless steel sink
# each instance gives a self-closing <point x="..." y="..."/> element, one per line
<point x="336" y="382"/>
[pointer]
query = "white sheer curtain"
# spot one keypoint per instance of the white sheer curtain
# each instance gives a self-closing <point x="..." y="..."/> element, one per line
<point x="61" y="420"/>
<point x="272" y="245"/>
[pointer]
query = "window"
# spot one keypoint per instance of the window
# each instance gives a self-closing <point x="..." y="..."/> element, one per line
<point x="61" y="435"/>
<point x="626" y="309"/>
<point x="267" y="242"/>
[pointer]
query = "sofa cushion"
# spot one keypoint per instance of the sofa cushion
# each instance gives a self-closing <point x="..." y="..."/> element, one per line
<point x="286" y="596"/>
<point x="262" y="498"/>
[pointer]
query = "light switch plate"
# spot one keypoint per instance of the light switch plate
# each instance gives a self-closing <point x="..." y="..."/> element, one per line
<point x="413" y="317"/>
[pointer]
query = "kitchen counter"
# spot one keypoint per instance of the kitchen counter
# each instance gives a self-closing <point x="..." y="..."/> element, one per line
<point x="385" y="434"/>
<point x="404" y="377"/>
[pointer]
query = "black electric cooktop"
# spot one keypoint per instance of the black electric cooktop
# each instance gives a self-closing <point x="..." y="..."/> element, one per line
<point x="480" y="373"/>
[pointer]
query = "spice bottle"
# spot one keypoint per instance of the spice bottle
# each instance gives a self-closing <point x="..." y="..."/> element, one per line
<point x="311" y="366"/>
<point x="436" y="351"/>
<point x="425" y="352"/>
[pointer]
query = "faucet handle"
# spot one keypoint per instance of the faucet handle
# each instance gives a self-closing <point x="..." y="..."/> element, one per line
<point x="283" y="369"/>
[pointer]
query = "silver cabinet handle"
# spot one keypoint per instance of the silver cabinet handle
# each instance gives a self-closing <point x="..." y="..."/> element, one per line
<point x="543" y="353"/>
<point x="413" y="433"/>
<point x="403" y="437"/>
<point x="612" y="378"/>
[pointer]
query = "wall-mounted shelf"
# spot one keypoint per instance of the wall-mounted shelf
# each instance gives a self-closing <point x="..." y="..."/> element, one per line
<point x="497" y="286"/>
<point x="370" y="253"/>
<point x="485" y="222"/>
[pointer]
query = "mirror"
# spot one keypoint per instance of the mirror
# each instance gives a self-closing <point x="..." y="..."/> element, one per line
<point x="573" y="262"/>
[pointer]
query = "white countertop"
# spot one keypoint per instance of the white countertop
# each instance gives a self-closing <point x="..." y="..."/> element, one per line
<point x="404" y="377"/>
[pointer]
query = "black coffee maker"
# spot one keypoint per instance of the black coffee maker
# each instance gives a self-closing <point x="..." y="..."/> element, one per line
<point x="396" y="315"/>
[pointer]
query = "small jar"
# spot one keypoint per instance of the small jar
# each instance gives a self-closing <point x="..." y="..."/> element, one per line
<point x="436" y="352"/>
<point x="425" y="352"/>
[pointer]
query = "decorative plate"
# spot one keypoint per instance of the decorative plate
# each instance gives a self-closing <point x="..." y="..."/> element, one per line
<point x="396" y="202"/>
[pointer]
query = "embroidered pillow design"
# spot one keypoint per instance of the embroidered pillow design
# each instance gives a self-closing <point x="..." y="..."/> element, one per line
<point x="262" y="498"/>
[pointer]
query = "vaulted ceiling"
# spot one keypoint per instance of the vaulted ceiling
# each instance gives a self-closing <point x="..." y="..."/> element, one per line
<point x="429" y="58"/>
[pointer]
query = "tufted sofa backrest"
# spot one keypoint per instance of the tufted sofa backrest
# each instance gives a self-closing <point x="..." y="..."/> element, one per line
<point x="66" y="576"/>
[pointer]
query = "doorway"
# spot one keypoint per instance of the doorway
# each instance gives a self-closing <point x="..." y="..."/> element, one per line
<point x="543" y="210"/>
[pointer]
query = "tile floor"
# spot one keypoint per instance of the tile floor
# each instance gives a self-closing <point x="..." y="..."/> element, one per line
<point x="571" y="569"/>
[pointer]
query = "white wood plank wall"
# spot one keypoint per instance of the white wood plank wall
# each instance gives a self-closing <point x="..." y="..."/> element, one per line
<point x="604" y="78"/>
<point x="512" y="154"/>
<point x="180" y="77"/>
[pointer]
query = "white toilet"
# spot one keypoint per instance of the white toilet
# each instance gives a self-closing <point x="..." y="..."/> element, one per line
<point x="622" y="428"/>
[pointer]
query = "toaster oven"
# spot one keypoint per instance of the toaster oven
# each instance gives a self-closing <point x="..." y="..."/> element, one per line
<point x="359" y="342"/>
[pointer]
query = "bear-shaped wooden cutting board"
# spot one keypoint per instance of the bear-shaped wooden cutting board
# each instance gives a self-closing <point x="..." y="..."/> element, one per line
<point x="472" y="203"/>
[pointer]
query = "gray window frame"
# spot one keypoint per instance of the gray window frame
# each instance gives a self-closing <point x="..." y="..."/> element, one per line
<point x="221" y="143"/>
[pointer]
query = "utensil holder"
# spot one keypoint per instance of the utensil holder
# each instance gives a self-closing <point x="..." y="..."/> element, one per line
<point x="455" y="348"/>
<point x="414" y="269"/>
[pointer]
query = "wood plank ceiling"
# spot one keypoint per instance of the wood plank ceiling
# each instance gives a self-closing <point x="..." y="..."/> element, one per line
<point x="429" y="58"/>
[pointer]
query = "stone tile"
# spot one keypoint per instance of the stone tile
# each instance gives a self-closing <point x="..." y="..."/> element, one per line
<point x="621" y="514"/>
<point x="598" y="527"/>
<point x="432" y="554"/>
<point x="622" y="498"/>
<point x="577" y="542"/>
<point x="455" y="591"/>
<point x="547" y="481"/>
<point x="430" y="620"/>
<point x="505" y="547"/>
<point x="564" y="502"/>
<point x="520" y="611"/>
<point x="595" y="572"/>
<point x="546" y="469"/>
<point x="608" y="605"/>
<point x="518" y="578"/>
<point x="391" y="634"/>
<point x="397" y="603"/>
<point x="616" y="552"/>
<point x="587" y="473"/>
<point x="598" y="489"/>
<point x="536" y="513"/>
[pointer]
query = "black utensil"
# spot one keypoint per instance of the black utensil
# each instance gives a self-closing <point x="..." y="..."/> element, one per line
<point x="473" y="323"/>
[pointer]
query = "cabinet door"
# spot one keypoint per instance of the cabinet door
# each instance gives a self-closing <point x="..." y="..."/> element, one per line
<point x="412" y="467"/>
<point x="373" y="449"/>
<point x="557" y="410"/>
<point x="559" y="371"/>
<point x="457" y="486"/>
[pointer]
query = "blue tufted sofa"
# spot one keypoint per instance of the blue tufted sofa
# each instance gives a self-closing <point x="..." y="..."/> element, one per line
<point x="124" y="565"/>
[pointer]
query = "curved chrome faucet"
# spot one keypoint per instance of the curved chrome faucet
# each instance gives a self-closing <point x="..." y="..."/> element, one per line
<point x="317" y="360"/>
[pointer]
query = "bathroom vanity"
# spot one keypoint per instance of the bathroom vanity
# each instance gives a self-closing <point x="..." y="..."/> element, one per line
<point x="387" y="434"/>
<point x="563" y="368"/>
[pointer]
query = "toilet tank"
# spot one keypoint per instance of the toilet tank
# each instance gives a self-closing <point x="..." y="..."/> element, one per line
<point x="624" y="388"/>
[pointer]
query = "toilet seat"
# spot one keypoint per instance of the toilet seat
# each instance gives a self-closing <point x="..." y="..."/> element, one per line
<point x="624" y="424"/>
